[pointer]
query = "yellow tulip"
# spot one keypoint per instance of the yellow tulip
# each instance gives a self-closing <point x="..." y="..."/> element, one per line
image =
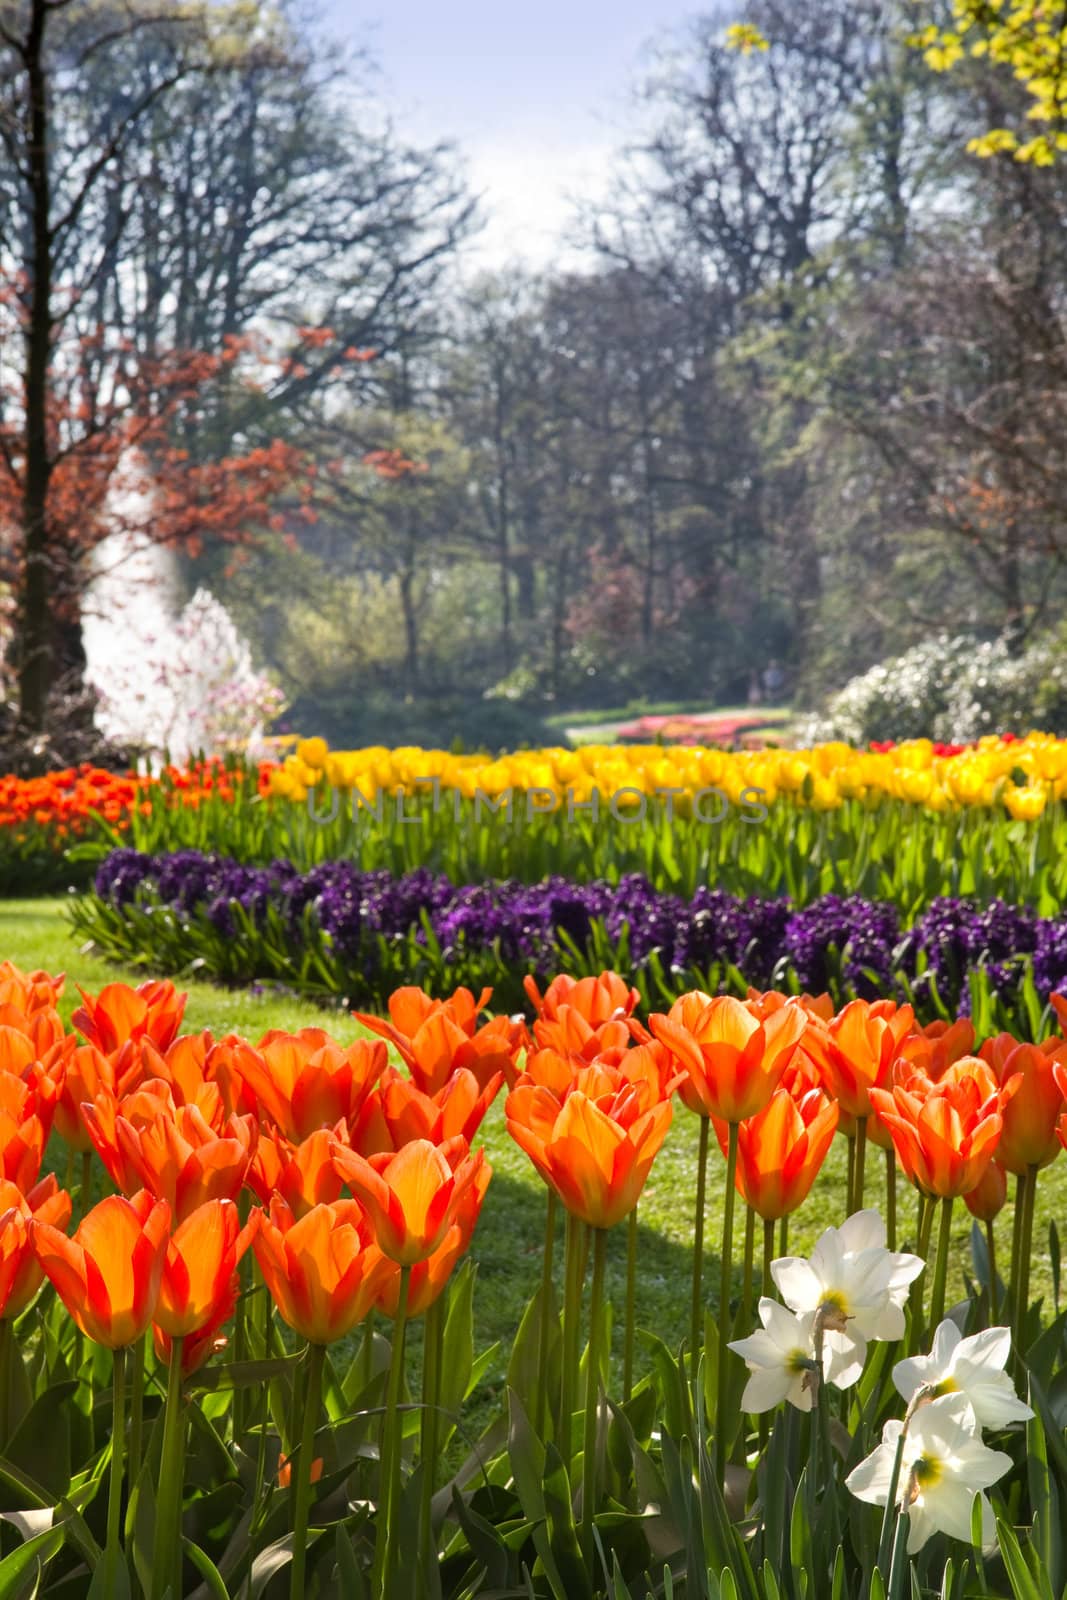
<point x="1026" y="804"/>
<point x="313" y="753"/>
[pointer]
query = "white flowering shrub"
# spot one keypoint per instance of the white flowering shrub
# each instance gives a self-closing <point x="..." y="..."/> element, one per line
<point x="189" y="688"/>
<point x="953" y="688"/>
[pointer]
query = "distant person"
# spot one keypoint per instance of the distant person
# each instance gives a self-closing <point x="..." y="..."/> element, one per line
<point x="755" y="694"/>
<point x="773" y="681"/>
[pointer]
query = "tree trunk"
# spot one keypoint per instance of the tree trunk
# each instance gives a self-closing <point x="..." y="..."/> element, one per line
<point x="560" y="596"/>
<point x="411" y="621"/>
<point x="503" y="542"/>
<point x="35" y="607"/>
<point x="526" y="582"/>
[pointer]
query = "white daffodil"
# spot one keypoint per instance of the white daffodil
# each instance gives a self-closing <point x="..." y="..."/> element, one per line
<point x="943" y="1466"/>
<point x="779" y="1358"/>
<point x="859" y="1287"/>
<point x="972" y="1367"/>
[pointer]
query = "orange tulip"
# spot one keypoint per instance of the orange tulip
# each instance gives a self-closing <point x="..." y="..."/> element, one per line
<point x="944" y="1133"/>
<point x="650" y="1068"/>
<point x="586" y="1017"/>
<point x="780" y="1150"/>
<point x="414" y="1195"/>
<point x="285" y="1471"/>
<point x="990" y="1193"/>
<point x="187" y="1070"/>
<point x="685" y="1012"/>
<point x="396" y="1112"/>
<point x="142" y="1108"/>
<point x="29" y="992"/>
<point x="604" y="998"/>
<point x="88" y="1072"/>
<point x="304" y="1174"/>
<point x="763" y="1001"/>
<point x="430" y="1277"/>
<point x="936" y="1047"/>
<point x="207" y="1341"/>
<point x="305" y="1081"/>
<point x="224" y="1068"/>
<point x="409" y="1008"/>
<point x="21" y="1273"/>
<point x="108" y="1275"/>
<point x="323" y="1271"/>
<point x="201" y="1260"/>
<point x="1029" y="1138"/>
<point x="179" y="1158"/>
<point x="734" y="1061"/>
<point x="119" y="1014"/>
<point x="17" y="1051"/>
<point x="570" y="1034"/>
<point x="26" y="1111"/>
<point x="436" y="1037"/>
<point x="856" y="1051"/>
<point x="595" y="1153"/>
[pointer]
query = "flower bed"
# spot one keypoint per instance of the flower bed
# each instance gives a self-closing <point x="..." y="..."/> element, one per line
<point x="698" y="728"/>
<point x="199" y="1396"/>
<point x="901" y="825"/>
<point x="346" y="933"/>
<point x="41" y="819"/>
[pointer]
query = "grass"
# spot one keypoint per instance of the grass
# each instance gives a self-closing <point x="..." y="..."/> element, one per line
<point x="508" y="1241"/>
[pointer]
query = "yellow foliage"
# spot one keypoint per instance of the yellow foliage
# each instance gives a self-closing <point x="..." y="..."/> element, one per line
<point x="746" y="37"/>
<point x="1030" y="38"/>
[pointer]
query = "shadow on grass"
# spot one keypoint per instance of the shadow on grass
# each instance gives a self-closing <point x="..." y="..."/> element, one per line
<point x="508" y="1249"/>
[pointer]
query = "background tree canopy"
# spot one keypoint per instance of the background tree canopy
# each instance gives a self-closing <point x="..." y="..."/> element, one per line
<point x="803" y="402"/>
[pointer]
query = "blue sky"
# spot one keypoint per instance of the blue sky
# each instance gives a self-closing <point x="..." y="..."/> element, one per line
<point x="535" y="92"/>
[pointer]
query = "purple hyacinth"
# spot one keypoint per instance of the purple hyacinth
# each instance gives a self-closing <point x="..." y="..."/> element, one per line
<point x="836" y="939"/>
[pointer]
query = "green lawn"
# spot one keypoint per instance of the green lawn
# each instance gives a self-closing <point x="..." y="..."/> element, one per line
<point x="507" y="1244"/>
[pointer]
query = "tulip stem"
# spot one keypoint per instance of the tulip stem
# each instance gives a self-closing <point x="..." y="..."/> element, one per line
<point x="631" y="1307"/>
<point x="768" y="1256"/>
<point x="750" y="1254"/>
<point x="133" y="1465"/>
<point x="1016" y="1234"/>
<point x="783" y="1236"/>
<point x="118" y="1463"/>
<point x="890" y="1198"/>
<point x="433" y="1338"/>
<point x="860" y="1164"/>
<point x="592" y="1395"/>
<point x="240" y="1348"/>
<point x="167" y="1557"/>
<point x="991" y="1252"/>
<point x="87" y="1182"/>
<point x="366" y="1352"/>
<point x="850" y="1180"/>
<point x="302" y="1474"/>
<point x="923" y="1224"/>
<point x="725" y="1283"/>
<point x="389" y="1489"/>
<point x="572" y="1312"/>
<point x="944" y="1237"/>
<point x="544" y="1408"/>
<point x="926" y="1225"/>
<point x="696" y="1318"/>
<point x="1026" y="1237"/>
